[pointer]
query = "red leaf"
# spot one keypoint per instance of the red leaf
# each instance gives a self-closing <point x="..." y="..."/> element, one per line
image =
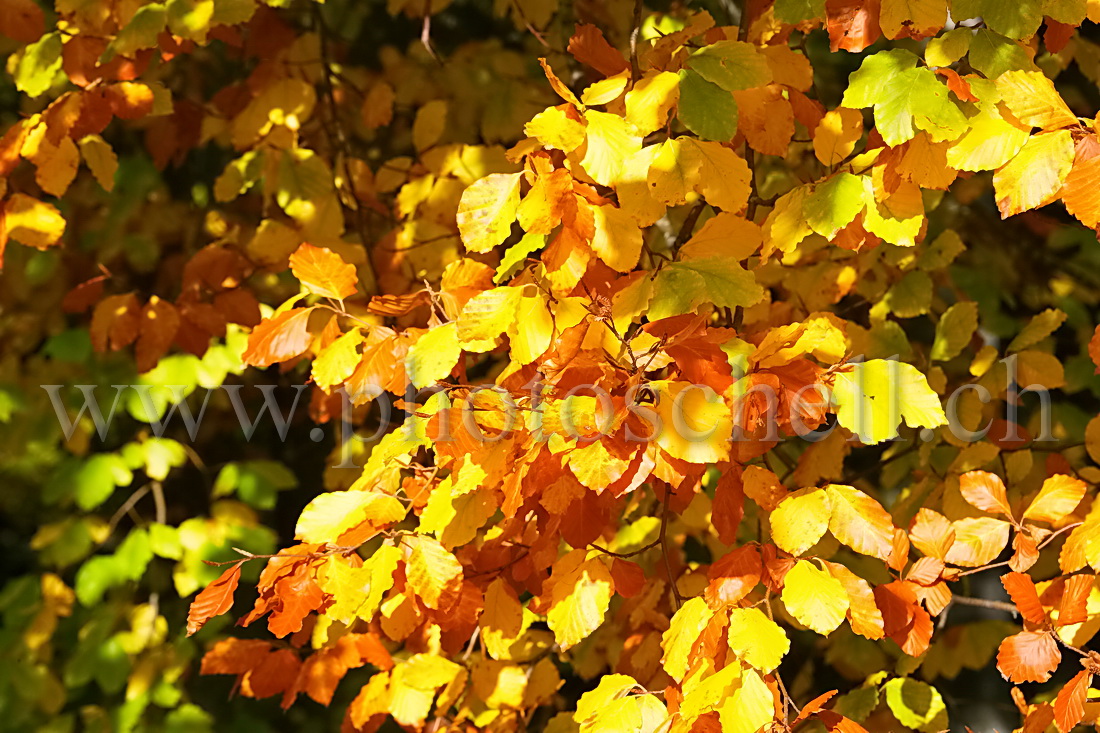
<point x="280" y="338"/>
<point x="985" y="491"/>
<point x="1069" y="706"/>
<point x="628" y="576"/>
<point x="1075" y="596"/>
<point x="1029" y="656"/>
<point x="323" y="272"/>
<point x="215" y="599"/>
<point x="22" y="21"/>
<point x="729" y="505"/>
<point x="1022" y="590"/>
<point x="733" y="576"/>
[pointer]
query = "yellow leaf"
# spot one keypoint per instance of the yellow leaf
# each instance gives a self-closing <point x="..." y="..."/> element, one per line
<point x="1058" y="497"/>
<point x="1033" y="100"/>
<point x="357" y="592"/>
<point x="991" y="139"/>
<point x="499" y="684"/>
<point x="486" y="316"/>
<point x="1034" y="177"/>
<point x="750" y="707"/>
<point x="837" y="134"/>
<point x="455" y="515"/>
<point x="977" y="541"/>
<point x="557" y="127"/>
<point x="337" y="362"/>
<point x="434" y="574"/>
<point x="606" y="90"/>
<point x="433" y="356"/>
<point x="610" y="707"/>
<point x="533" y="328"/>
<point x="800" y="520"/>
<point x="814" y="597"/>
<point x="725" y="235"/>
<point x="860" y="522"/>
<point x="328" y="516"/>
<point x="611" y="140"/>
<point x="722" y="175"/>
<point x="579" y="597"/>
<point x="863" y="613"/>
<point x="431" y="120"/>
<point x="617" y="240"/>
<point x="684" y="629"/>
<point x="649" y="102"/>
<point x="501" y="622"/>
<point x="32" y="222"/>
<point x="696" y="424"/>
<point x="912" y="18"/>
<point x="757" y="639"/>
<point x="487" y="209"/>
<point x="100" y="159"/>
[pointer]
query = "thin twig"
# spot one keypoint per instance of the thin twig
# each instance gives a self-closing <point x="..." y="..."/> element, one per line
<point x="663" y="538"/>
<point x="986" y="603"/>
<point x="158" y="501"/>
<point x="635" y="70"/>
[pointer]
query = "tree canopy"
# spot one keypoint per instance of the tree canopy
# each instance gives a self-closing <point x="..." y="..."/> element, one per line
<point x="667" y="367"/>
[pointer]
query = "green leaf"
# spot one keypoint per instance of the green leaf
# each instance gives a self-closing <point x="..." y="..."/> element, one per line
<point x="103" y="572"/>
<point x="915" y="704"/>
<point x="732" y="65"/>
<point x="796" y="11"/>
<point x="39" y="65"/>
<point x="873" y="398"/>
<point x="1012" y="19"/>
<point x="905" y="98"/>
<point x="681" y="287"/>
<point x="992" y="54"/>
<point x="255" y="482"/>
<point x="955" y="329"/>
<point x="834" y="203"/>
<point x="942" y="252"/>
<point x="706" y="109"/>
<point x="97" y="479"/>
<point x="141" y="32"/>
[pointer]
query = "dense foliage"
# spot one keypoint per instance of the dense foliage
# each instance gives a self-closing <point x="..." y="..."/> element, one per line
<point x="524" y="365"/>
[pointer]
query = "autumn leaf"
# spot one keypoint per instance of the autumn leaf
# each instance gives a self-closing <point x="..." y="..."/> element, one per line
<point x="1058" y="497"/>
<point x="1029" y="656"/>
<point x="985" y="491"/>
<point x="1022" y="591"/>
<point x="814" y="597"/>
<point x="323" y="272"/>
<point x="579" y="597"/>
<point x="215" y="599"/>
<point x="279" y="338"/>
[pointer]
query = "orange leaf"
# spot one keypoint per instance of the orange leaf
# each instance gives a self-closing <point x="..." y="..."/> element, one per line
<point x="1022" y="591"/>
<point x="1074" y="606"/>
<point x="853" y="24"/>
<point x="282" y="337"/>
<point x="1030" y="656"/>
<point x="589" y="47"/>
<point x="904" y="620"/>
<point x="323" y="272"/>
<point x="22" y="21"/>
<point x="813" y="706"/>
<point x="931" y="533"/>
<point x="215" y="599"/>
<point x="1069" y="706"/>
<point x="1081" y="192"/>
<point x="115" y="322"/>
<point x="960" y="86"/>
<point x="864" y="615"/>
<point x="985" y="491"/>
<point x="1094" y="348"/>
